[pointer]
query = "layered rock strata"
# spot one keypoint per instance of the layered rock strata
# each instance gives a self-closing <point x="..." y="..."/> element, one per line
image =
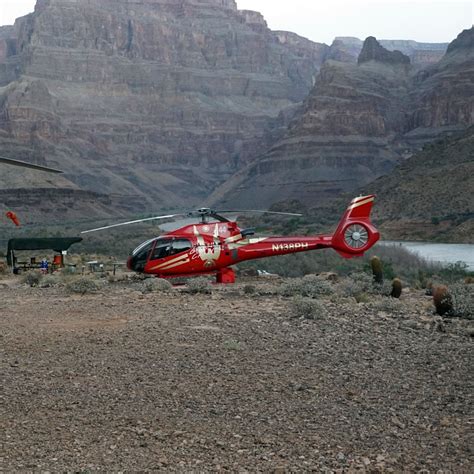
<point x="347" y="49"/>
<point x="344" y="135"/>
<point x="430" y="196"/>
<point x="358" y="122"/>
<point x="161" y="99"/>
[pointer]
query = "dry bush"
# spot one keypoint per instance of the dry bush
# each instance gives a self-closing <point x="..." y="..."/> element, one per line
<point x="151" y="285"/>
<point x="233" y="345"/>
<point x="307" y="308"/>
<point x="355" y="284"/>
<point x="389" y="305"/>
<point x="49" y="281"/>
<point x="83" y="285"/>
<point x="310" y="286"/>
<point x="32" y="278"/>
<point x="250" y="289"/>
<point x="462" y="300"/>
<point x="360" y="285"/>
<point x="199" y="285"/>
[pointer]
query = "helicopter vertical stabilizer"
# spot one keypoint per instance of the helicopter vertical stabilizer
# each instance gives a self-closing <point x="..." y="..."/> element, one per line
<point x="355" y="233"/>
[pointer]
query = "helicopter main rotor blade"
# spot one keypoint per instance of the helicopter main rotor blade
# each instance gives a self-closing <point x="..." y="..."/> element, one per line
<point x="263" y="212"/>
<point x="25" y="164"/>
<point x="132" y="222"/>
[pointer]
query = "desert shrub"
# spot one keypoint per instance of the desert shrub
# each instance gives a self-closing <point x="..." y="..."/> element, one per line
<point x="156" y="285"/>
<point x="388" y="305"/>
<point x="49" y="281"/>
<point x="363" y="297"/>
<point x="310" y="286"/>
<point x="462" y="300"/>
<point x="82" y="285"/>
<point x="360" y="285"/>
<point x="199" y="285"/>
<point x="356" y="284"/>
<point x="453" y="272"/>
<point x="249" y="289"/>
<point x="32" y="278"/>
<point x="307" y="308"/>
<point x="232" y="345"/>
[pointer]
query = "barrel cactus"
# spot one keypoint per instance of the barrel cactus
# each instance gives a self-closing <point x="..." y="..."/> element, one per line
<point x="396" y="288"/>
<point x="442" y="300"/>
<point x="377" y="270"/>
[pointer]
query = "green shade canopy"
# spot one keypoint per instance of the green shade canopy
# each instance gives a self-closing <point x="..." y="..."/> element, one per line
<point x="58" y="244"/>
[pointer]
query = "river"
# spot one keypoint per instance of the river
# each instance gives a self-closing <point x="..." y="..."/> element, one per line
<point x="438" y="252"/>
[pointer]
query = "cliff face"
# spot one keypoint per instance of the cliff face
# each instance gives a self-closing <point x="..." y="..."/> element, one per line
<point x="443" y="94"/>
<point x="161" y="99"/>
<point x="347" y="49"/>
<point x="357" y="123"/>
<point x="430" y="195"/>
<point x="345" y="134"/>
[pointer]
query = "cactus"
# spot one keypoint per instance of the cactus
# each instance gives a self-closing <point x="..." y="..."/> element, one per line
<point x="396" y="288"/>
<point x="442" y="300"/>
<point x="377" y="270"/>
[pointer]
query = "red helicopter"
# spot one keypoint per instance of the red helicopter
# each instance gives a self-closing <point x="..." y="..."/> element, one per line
<point x="216" y="243"/>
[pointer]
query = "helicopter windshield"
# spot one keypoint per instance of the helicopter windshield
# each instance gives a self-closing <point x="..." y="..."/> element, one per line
<point x="142" y="246"/>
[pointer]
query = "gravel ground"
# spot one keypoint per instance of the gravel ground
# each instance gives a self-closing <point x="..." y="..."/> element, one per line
<point x="125" y="381"/>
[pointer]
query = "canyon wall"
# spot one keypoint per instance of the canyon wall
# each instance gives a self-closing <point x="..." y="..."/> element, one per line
<point x="161" y="99"/>
<point x="357" y="123"/>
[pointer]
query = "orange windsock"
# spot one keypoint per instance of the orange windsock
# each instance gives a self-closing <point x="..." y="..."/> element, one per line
<point x="13" y="217"/>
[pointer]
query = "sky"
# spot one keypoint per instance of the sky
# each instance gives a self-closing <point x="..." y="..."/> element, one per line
<point x="322" y="20"/>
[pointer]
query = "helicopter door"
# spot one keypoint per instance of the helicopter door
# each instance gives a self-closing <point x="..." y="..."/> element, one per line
<point x="162" y="249"/>
<point x="167" y="247"/>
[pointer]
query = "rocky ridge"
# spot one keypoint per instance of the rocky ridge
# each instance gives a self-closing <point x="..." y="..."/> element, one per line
<point x="358" y="122"/>
<point x="347" y="49"/>
<point x="430" y="195"/>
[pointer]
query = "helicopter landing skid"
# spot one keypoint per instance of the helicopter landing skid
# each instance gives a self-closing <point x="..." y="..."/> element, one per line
<point x="225" y="276"/>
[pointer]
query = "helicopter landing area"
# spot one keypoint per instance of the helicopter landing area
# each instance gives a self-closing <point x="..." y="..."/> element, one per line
<point x="125" y="381"/>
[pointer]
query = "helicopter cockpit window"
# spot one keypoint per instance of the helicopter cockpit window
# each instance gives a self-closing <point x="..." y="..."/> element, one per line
<point x="181" y="245"/>
<point x="166" y="247"/>
<point x="162" y="249"/>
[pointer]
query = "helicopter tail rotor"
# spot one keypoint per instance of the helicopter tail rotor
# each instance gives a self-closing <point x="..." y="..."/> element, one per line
<point x="355" y="233"/>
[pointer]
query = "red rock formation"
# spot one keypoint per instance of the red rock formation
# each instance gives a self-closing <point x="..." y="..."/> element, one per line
<point x="159" y="98"/>
<point x="357" y="123"/>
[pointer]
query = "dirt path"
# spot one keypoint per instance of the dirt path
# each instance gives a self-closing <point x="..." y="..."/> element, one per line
<point x="125" y="381"/>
